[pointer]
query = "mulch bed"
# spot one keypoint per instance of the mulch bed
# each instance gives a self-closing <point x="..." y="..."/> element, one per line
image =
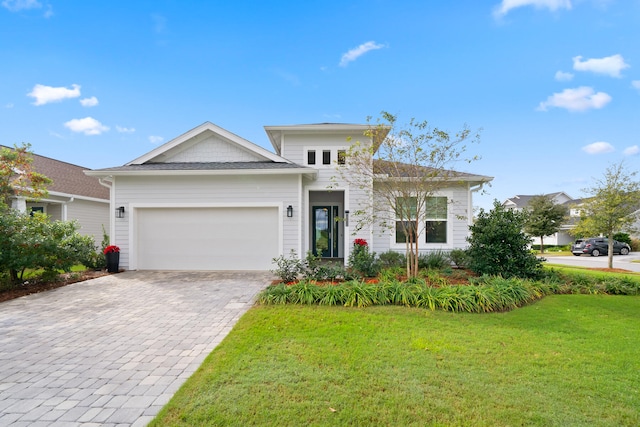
<point x="35" y="286"/>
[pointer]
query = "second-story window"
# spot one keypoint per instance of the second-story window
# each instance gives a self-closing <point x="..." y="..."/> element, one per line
<point x="311" y="157"/>
<point x="326" y="157"/>
<point x="342" y="157"/>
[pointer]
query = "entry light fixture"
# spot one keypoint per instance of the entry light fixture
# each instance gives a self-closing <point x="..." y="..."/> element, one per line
<point x="346" y="218"/>
<point x="289" y="211"/>
<point x="120" y="212"/>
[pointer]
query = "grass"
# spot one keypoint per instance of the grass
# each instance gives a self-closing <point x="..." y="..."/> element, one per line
<point x="565" y="360"/>
<point x="590" y="271"/>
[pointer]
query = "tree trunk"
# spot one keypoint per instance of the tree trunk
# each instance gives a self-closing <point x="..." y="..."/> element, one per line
<point x="541" y="244"/>
<point x="610" y="254"/>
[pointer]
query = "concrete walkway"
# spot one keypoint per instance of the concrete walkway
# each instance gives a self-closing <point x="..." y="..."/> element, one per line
<point x="112" y="351"/>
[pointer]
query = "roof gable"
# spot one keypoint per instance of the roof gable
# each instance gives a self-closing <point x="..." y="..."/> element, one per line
<point x="208" y="143"/>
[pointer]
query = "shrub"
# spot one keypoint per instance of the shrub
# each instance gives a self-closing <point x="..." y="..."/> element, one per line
<point x="622" y="237"/>
<point x="361" y="261"/>
<point x="459" y="257"/>
<point x="434" y="260"/>
<point x="314" y="268"/>
<point x="498" y="246"/>
<point x="392" y="259"/>
<point x="635" y="245"/>
<point x="34" y="242"/>
<point x="288" y="268"/>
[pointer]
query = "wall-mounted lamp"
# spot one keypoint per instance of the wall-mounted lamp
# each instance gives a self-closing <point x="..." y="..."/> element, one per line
<point x="289" y="211"/>
<point x="346" y="218"/>
<point x="120" y="212"/>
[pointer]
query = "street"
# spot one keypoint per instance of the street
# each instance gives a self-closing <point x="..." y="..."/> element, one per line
<point x="619" y="261"/>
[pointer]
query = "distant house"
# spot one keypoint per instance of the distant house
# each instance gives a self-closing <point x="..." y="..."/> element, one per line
<point x="211" y="200"/>
<point x="520" y="202"/>
<point x="72" y="196"/>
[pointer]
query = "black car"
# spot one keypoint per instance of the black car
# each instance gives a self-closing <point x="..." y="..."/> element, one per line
<point x="597" y="246"/>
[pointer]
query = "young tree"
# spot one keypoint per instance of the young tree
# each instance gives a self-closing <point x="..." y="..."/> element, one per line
<point x="545" y="217"/>
<point x="611" y="206"/>
<point x="407" y="165"/>
<point x="498" y="246"/>
<point x="17" y="177"/>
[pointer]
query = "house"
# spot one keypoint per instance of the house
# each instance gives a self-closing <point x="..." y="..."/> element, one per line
<point x="211" y="200"/>
<point x="72" y="195"/>
<point x="562" y="237"/>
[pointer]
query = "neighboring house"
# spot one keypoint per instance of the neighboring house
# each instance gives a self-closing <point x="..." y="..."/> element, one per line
<point x="72" y="196"/>
<point x="211" y="200"/>
<point x="562" y="237"/>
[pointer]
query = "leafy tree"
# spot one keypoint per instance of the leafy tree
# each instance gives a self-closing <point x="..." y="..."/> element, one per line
<point x="402" y="169"/>
<point x="612" y="205"/>
<point x="17" y="177"/>
<point x="545" y="217"/>
<point x="498" y="245"/>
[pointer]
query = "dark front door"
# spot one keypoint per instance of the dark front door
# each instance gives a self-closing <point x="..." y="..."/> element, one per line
<point x="325" y="231"/>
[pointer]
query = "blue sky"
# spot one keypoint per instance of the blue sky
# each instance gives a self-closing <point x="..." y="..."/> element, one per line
<point x="554" y="84"/>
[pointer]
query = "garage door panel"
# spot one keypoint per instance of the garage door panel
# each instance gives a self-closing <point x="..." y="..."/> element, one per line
<point x="244" y="238"/>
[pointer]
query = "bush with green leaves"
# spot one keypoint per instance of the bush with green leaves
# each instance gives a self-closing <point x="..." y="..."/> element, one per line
<point x="392" y="259"/>
<point x="434" y="260"/>
<point x="361" y="262"/>
<point x="459" y="257"/>
<point x="499" y="247"/>
<point x="314" y="268"/>
<point x="288" y="268"/>
<point x="36" y="242"/>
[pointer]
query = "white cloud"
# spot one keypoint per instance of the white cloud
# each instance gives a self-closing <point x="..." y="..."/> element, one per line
<point x="598" y="148"/>
<point x="579" y="99"/>
<point x="155" y="139"/>
<point x="17" y="5"/>
<point x="635" y="84"/>
<point x="46" y="94"/>
<point x="507" y="5"/>
<point x="123" y="129"/>
<point x="561" y="76"/>
<point x="88" y="126"/>
<point x="357" y="52"/>
<point x="610" y="65"/>
<point x="631" y="151"/>
<point x="89" y="102"/>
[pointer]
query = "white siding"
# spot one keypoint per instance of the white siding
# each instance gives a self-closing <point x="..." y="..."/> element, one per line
<point x="193" y="191"/>
<point x="212" y="149"/>
<point x="92" y="217"/>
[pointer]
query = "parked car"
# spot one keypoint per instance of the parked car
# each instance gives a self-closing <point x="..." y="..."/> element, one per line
<point x="597" y="246"/>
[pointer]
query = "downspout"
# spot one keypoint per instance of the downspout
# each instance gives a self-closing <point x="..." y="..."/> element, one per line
<point x="470" y="202"/>
<point x="112" y="226"/>
<point x="64" y="208"/>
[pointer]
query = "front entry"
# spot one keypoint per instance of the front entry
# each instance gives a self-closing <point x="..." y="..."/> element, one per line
<point x="325" y="231"/>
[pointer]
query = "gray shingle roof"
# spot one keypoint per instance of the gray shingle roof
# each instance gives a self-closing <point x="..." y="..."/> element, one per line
<point x="68" y="178"/>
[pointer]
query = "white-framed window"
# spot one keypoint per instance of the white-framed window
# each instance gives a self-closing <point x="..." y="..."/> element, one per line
<point x="433" y="223"/>
<point x="436" y="216"/>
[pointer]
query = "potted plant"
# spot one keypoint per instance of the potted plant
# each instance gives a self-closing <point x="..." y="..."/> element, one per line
<point x="112" y="254"/>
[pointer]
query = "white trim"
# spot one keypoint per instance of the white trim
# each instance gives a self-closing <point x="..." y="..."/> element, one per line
<point x="312" y="173"/>
<point x="133" y="209"/>
<point x="208" y="126"/>
<point x="72" y="196"/>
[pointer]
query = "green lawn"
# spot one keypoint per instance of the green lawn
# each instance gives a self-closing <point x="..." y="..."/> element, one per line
<point x="566" y="360"/>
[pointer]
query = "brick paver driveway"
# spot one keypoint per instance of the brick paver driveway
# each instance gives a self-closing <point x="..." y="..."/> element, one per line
<point x="113" y="350"/>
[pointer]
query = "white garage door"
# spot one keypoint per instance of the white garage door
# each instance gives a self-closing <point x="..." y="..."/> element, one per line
<point x="239" y="238"/>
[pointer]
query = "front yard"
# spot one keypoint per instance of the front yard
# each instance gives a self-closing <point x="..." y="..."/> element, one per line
<point x="565" y="360"/>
